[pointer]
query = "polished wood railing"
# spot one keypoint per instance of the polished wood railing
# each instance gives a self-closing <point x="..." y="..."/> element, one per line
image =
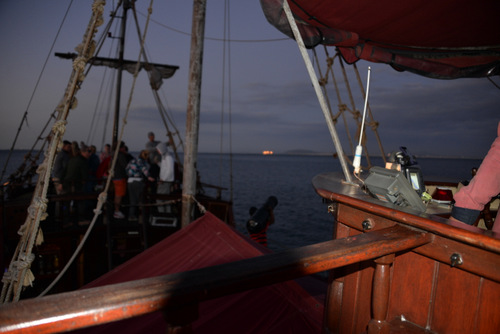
<point x="449" y="285"/>
<point x="179" y="294"/>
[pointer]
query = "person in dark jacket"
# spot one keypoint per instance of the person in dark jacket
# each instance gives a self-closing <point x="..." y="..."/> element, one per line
<point x="60" y="164"/>
<point x="120" y="179"/>
<point x="77" y="170"/>
<point x="75" y="177"/>
<point x="93" y="162"/>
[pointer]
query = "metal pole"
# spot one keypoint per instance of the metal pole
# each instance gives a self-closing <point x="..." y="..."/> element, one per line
<point x="319" y="93"/>
<point x="193" y="111"/>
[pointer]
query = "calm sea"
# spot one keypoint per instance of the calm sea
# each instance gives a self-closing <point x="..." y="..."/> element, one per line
<point x="300" y="216"/>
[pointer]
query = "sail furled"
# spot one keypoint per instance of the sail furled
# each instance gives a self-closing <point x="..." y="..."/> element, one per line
<point x="444" y="39"/>
<point x="157" y="72"/>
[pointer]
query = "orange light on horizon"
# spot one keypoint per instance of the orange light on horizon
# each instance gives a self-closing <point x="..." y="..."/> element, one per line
<point x="267" y="152"/>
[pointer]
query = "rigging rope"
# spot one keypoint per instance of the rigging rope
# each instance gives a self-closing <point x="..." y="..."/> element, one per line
<point x="103" y="196"/>
<point x="317" y="88"/>
<point x="226" y="63"/>
<point x="166" y="118"/>
<point x="25" y="115"/>
<point x="231" y="176"/>
<point x="100" y="43"/>
<point x="224" y="40"/>
<point x="17" y="272"/>
<point x="342" y="107"/>
<point x="323" y="81"/>
<point x="200" y="206"/>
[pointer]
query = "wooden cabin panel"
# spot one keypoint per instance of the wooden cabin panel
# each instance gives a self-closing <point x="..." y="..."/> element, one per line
<point x="488" y="313"/>
<point x="475" y="260"/>
<point x="455" y="302"/>
<point x="364" y="297"/>
<point x="355" y="309"/>
<point x="333" y="307"/>
<point x="425" y="289"/>
<point x="411" y="288"/>
<point x="354" y="218"/>
<point x="347" y="308"/>
<point x="353" y="287"/>
<point x="362" y="282"/>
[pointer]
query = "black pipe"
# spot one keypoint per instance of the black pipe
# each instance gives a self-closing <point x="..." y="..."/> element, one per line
<point x="259" y="218"/>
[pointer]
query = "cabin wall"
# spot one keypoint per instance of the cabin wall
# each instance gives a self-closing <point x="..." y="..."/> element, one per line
<point x="425" y="289"/>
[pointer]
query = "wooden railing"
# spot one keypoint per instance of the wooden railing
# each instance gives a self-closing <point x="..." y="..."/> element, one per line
<point x="450" y="285"/>
<point x="179" y="294"/>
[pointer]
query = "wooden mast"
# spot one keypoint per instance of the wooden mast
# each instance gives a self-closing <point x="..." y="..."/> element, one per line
<point x="120" y="64"/>
<point x="193" y="110"/>
<point x="126" y="7"/>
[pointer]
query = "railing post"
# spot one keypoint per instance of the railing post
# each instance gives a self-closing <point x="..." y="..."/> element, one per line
<point x="333" y="303"/>
<point x="380" y="295"/>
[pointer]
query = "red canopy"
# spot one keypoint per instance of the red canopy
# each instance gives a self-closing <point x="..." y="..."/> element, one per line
<point x="443" y="39"/>
<point x="280" y="308"/>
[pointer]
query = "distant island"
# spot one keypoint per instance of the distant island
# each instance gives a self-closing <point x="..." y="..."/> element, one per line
<point x="334" y="154"/>
<point x="307" y="152"/>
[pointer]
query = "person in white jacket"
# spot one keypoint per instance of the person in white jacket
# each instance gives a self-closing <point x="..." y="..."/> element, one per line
<point x="167" y="173"/>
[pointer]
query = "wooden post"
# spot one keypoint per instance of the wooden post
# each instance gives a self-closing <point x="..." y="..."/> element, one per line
<point x="333" y="303"/>
<point x="193" y="110"/>
<point x="380" y="295"/>
<point x="116" y="120"/>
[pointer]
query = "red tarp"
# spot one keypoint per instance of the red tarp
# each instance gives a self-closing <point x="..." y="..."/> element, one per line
<point x="443" y="39"/>
<point x="280" y="308"/>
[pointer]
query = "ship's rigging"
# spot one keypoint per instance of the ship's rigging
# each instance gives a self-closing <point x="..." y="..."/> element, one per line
<point x="19" y="269"/>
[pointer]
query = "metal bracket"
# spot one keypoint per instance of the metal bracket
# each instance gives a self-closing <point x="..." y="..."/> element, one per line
<point x="456" y="260"/>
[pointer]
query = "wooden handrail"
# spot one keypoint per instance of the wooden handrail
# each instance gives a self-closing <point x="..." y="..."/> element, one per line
<point x="89" y="307"/>
<point x="328" y="187"/>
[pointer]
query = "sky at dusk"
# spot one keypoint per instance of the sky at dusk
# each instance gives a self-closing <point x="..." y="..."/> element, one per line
<point x="271" y="103"/>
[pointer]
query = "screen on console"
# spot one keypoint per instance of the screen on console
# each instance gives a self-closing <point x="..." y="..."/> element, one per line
<point x="414" y="181"/>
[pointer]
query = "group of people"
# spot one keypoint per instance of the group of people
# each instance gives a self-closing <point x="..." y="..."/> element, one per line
<point x="78" y="169"/>
<point x="75" y="170"/>
<point x="153" y="169"/>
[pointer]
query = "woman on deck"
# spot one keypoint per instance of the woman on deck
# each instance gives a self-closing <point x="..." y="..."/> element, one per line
<point x="138" y="173"/>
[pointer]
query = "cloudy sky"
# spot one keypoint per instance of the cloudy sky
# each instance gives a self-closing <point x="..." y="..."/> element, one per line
<point x="267" y="94"/>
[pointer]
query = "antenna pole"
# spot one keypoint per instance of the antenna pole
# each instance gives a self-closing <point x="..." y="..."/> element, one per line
<point x="359" y="149"/>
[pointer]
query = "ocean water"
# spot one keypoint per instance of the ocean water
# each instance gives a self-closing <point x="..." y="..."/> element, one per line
<point x="301" y="217"/>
